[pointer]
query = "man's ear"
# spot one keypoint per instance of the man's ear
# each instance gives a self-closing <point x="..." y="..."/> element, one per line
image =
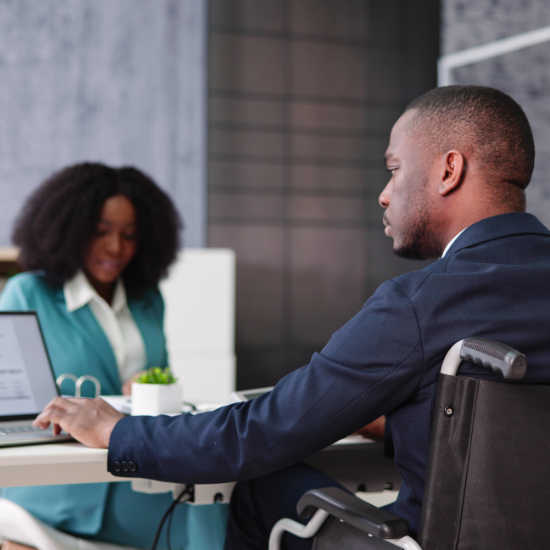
<point x="452" y="172"/>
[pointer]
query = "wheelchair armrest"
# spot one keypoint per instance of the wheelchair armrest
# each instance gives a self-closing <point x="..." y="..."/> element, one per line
<point x="358" y="513"/>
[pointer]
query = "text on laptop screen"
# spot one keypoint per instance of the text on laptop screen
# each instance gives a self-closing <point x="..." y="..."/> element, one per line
<point x="27" y="384"/>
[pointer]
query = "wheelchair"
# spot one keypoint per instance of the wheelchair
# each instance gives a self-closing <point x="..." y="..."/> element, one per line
<point x="486" y="479"/>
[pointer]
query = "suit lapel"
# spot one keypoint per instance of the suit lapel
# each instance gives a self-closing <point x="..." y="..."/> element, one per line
<point x="85" y="323"/>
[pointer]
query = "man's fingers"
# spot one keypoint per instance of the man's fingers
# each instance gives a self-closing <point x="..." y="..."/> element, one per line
<point x="55" y="416"/>
<point x="43" y="419"/>
<point x="56" y="410"/>
<point x="41" y="423"/>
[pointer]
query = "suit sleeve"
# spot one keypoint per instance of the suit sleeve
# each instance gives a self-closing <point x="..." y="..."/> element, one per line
<point x="370" y="366"/>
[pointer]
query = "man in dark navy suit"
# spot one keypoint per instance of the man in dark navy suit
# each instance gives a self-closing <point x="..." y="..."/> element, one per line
<point x="460" y="159"/>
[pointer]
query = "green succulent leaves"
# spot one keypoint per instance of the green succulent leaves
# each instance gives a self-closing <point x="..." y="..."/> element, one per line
<point x="156" y="375"/>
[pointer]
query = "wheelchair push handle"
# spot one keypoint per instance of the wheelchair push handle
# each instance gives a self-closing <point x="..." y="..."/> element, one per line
<point x="493" y="355"/>
<point x="488" y="353"/>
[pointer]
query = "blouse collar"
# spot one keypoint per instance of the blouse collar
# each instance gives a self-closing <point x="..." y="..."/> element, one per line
<point x="78" y="292"/>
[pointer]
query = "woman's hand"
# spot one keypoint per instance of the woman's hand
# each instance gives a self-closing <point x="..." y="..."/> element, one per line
<point x="127" y="387"/>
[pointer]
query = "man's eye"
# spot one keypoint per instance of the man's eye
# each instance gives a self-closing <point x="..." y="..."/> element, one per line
<point x="391" y="170"/>
<point x="130" y="237"/>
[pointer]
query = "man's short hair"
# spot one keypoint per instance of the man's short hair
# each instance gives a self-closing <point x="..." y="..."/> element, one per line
<point x="484" y="121"/>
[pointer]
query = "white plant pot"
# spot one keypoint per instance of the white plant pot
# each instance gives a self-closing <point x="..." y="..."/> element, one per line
<point x="155" y="399"/>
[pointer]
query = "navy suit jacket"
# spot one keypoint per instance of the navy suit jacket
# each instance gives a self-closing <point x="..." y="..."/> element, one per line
<point x="494" y="282"/>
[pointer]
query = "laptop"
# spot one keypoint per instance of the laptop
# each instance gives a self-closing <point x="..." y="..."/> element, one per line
<point x="27" y="382"/>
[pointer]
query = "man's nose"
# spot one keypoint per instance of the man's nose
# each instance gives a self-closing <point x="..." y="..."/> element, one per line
<point x="384" y="198"/>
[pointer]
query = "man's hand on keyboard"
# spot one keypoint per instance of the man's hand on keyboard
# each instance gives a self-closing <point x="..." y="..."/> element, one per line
<point x="90" y="421"/>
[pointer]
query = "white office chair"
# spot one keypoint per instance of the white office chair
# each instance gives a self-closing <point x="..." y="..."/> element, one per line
<point x="17" y="525"/>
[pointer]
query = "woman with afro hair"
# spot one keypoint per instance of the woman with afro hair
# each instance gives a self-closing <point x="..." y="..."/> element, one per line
<point x="94" y="243"/>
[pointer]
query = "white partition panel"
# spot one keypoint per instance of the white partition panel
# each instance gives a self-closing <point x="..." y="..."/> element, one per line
<point x="199" y="294"/>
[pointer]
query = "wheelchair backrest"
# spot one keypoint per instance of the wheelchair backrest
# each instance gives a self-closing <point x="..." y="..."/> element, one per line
<point x="489" y="465"/>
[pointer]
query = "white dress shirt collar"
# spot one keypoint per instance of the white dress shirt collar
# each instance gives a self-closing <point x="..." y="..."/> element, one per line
<point x="79" y="292"/>
<point x="450" y="243"/>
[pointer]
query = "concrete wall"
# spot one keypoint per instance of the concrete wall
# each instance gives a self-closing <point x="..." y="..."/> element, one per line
<point x="524" y="74"/>
<point x="117" y="81"/>
<point x="303" y="95"/>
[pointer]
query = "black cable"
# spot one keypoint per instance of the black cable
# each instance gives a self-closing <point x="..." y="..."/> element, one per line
<point x="171" y="515"/>
<point x="169" y="529"/>
<point x="188" y="491"/>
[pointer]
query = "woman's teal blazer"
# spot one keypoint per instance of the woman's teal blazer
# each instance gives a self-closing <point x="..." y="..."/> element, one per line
<point x="77" y="344"/>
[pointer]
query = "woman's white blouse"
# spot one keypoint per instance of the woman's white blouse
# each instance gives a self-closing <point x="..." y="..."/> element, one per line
<point x="116" y="320"/>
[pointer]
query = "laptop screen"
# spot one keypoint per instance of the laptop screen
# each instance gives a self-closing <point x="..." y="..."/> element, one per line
<point x="27" y="383"/>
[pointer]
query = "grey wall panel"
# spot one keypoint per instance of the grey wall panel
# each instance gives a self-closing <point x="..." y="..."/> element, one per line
<point x="121" y="82"/>
<point x="303" y="95"/>
<point x="524" y="74"/>
<point x="468" y="23"/>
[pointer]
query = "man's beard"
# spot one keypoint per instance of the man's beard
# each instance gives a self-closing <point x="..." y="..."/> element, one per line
<point x="421" y="240"/>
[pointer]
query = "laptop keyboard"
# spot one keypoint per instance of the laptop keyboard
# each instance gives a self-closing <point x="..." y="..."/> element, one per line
<point x="19" y="430"/>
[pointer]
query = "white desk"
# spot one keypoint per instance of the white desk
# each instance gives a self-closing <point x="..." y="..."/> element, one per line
<point x="65" y="463"/>
<point x="53" y="464"/>
<point x="74" y="463"/>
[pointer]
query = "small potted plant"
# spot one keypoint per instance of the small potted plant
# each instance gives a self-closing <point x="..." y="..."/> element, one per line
<point x="156" y="392"/>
